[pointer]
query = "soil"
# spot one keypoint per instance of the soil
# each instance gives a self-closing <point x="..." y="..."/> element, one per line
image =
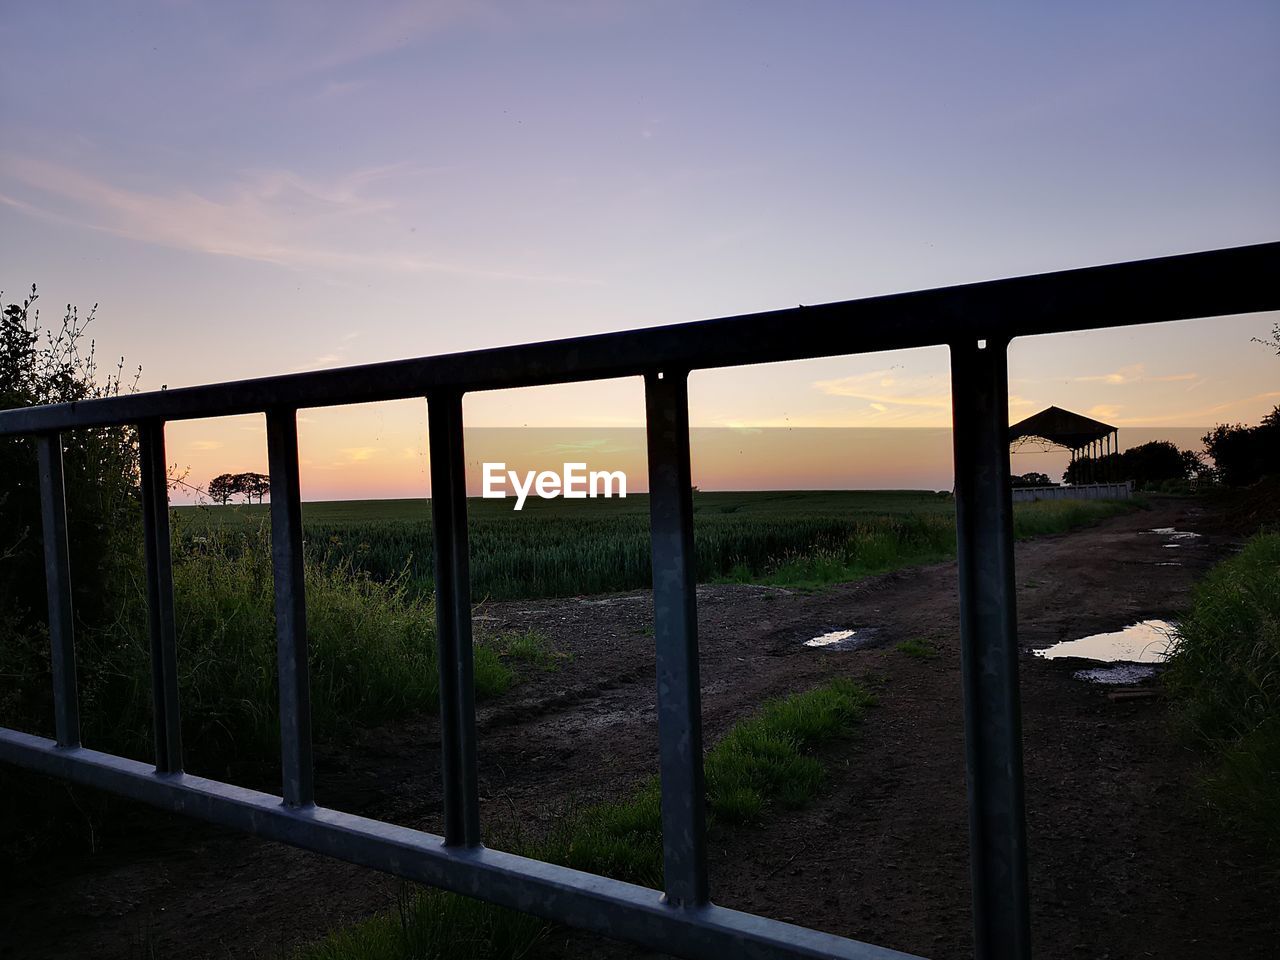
<point x="1126" y="860"/>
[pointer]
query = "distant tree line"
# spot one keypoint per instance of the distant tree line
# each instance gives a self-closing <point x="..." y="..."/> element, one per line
<point x="1150" y="466"/>
<point x="1240" y="455"/>
<point x="248" y="485"/>
<point x="1032" y="480"/>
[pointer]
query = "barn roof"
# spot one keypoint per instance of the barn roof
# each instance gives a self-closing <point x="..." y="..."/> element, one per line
<point x="1067" y="429"/>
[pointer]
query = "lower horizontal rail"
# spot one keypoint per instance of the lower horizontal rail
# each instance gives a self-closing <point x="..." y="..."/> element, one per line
<point x="624" y="911"/>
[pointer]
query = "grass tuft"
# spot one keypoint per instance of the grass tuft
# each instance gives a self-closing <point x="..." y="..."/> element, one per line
<point x="434" y="925"/>
<point x="1224" y="672"/>
<point x="919" y="647"/>
<point x="530" y="647"/>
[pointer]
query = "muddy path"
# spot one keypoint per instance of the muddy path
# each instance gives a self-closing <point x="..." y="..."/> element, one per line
<point x="1124" y="861"/>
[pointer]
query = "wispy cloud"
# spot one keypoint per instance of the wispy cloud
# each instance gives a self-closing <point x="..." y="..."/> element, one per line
<point x="1135" y="373"/>
<point x="891" y="399"/>
<point x="1203" y="415"/>
<point x="360" y="454"/>
<point x="206" y="445"/>
<point x="883" y="388"/>
<point x="269" y="216"/>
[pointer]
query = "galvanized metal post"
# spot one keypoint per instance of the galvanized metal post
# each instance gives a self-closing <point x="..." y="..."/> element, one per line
<point x="291" y="608"/>
<point x="989" y="650"/>
<point x="164" y="644"/>
<point x="675" y="631"/>
<point x="57" y="572"/>
<point x="453" y="619"/>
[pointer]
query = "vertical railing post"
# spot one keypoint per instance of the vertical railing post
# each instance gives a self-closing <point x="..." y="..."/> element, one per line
<point x="675" y="631"/>
<point x="291" y="608"/>
<point x="453" y="619"/>
<point x="989" y="650"/>
<point x="164" y="657"/>
<point x="57" y="572"/>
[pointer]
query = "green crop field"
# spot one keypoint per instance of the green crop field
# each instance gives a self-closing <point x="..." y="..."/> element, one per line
<point x="573" y="547"/>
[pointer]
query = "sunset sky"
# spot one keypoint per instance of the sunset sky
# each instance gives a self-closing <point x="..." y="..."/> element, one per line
<point x="258" y="188"/>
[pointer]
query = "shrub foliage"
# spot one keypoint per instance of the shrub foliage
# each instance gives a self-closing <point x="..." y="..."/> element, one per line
<point x="1225" y="674"/>
<point x="1244" y="455"/>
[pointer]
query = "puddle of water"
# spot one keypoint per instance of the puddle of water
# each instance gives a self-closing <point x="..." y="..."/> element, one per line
<point x="1174" y="533"/>
<point x="840" y="639"/>
<point x="1120" y="674"/>
<point x="1170" y="546"/>
<point x="1144" y="642"/>
<point x="1168" y="563"/>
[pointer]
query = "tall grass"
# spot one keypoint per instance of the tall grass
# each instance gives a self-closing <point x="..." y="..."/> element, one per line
<point x="859" y="549"/>
<point x="1047" y="517"/>
<point x="764" y="761"/>
<point x="1224" y="672"/>
<point x="372" y="656"/>
<point x="792" y="539"/>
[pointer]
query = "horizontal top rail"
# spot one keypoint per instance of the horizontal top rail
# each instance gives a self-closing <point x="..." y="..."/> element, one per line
<point x="1212" y="283"/>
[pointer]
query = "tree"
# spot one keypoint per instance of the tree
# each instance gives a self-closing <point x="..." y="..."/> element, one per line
<point x="254" y="484"/>
<point x="1244" y="455"/>
<point x="222" y="488"/>
<point x="1032" y="480"/>
<point x="249" y="485"/>
<point x="1148" y="465"/>
<point x="1273" y="342"/>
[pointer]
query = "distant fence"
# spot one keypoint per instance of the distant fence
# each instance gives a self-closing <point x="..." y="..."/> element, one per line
<point x="976" y="322"/>
<point x="1082" y="491"/>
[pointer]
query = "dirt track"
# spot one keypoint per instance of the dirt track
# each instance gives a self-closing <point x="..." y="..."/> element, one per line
<point x="1124" y="862"/>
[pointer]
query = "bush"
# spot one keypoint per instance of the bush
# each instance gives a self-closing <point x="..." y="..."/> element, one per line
<point x="1244" y="455"/>
<point x="371" y="648"/>
<point x="1225" y="674"/>
<point x="53" y="365"/>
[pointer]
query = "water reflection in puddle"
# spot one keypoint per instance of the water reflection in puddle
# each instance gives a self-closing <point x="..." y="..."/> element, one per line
<point x="1120" y="674"/>
<point x="1144" y="642"/>
<point x="1173" y="533"/>
<point x="840" y="639"/>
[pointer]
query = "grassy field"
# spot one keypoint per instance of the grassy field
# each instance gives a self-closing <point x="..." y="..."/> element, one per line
<point x="370" y="599"/>
<point x="569" y="548"/>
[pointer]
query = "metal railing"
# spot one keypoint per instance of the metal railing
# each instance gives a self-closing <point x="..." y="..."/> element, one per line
<point x="976" y="321"/>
